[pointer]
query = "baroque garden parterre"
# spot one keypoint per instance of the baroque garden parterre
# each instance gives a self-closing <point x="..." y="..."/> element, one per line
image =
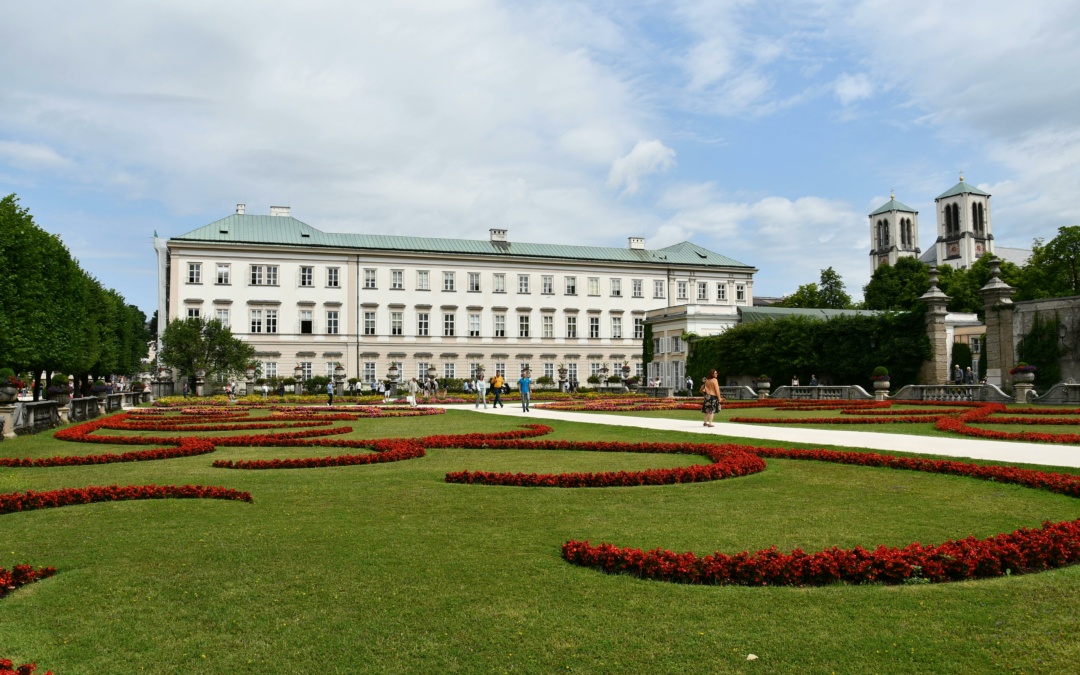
<point x="282" y="426"/>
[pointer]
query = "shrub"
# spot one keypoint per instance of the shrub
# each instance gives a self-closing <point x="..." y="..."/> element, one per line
<point x="593" y="379"/>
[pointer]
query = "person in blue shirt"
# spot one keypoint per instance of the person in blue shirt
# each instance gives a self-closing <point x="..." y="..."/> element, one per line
<point x="523" y="386"/>
<point x="329" y="393"/>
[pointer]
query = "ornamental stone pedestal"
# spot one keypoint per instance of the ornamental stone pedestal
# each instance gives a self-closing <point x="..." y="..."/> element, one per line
<point x="936" y="369"/>
<point x="7" y="418"/>
<point x="763" y="389"/>
<point x="1024" y="385"/>
<point x="997" y="301"/>
<point x="881" y="390"/>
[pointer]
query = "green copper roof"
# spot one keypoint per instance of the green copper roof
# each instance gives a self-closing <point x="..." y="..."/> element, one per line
<point x="752" y="314"/>
<point x="962" y="188"/>
<point x="288" y="231"/>
<point x="893" y="205"/>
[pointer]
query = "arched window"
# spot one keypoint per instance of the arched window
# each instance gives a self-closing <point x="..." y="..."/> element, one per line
<point x="948" y="221"/>
<point x="979" y="218"/>
<point x="956" y="218"/>
<point x="905" y="233"/>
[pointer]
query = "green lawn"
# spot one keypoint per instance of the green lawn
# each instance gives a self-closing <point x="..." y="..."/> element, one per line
<point x="386" y="568"/>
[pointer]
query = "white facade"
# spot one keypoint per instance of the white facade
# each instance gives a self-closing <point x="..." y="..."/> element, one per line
<point x="314" y="299"/>
<point x="670" y="326"/>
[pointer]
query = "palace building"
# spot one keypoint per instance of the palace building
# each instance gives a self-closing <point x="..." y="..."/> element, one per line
<point x="313" y="299"/>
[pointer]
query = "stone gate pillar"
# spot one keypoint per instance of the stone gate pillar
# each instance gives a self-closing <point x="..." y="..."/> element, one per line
<point x="997" y="301"/>
<point x="936" y="370"/>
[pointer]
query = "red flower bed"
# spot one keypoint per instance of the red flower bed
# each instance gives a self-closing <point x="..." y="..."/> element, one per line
<point x="20" y="575"/>
<point x="31" y="500"/>
<point x="7" y="667"/>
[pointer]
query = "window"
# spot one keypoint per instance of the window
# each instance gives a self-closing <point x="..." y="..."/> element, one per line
<point x="571" y="326"/>
<point x="523" y="283"/>
<point x="549" y="326"/>
<point x="397" y="323"/>
<point x="549" y="370"/>
<point x="721" y="292"/>
<point x="571" y="285"/>
<point x="702" y="291"/>
<point x="423" y="321"/>
<point x="498" y="282"/>
<point x="222" y="315"/>
<point x="421" y="370"/>
<point x="474" y="282"/>
<point x="448" y="325"/>
<point x="307" y="276"/>
<point x="333" y="278"/>
<point x="474" y="325"/>
<point x="523" y="366"/>
<point x="369" y="278"/>
<point x="397" y="279"/>
<point x="740" y="293"/>
<point x="616" y="288"/>
<point x="448" y="371"/>
<point x="448" y="281"/>
<point x="636" y="286"/>
<point x="658" y="288"/>
<point x="306" y="326"/>
<point x="271" y="321"/>
<point x="472" y="370"/>
<point x="681" y="290"/>
<point x="193" y="312"/>
<point x="500" y="368"/>
<point x="594" y="285"/>
<point x="330" y="365"/>
<point x="616" y="327"/>
<point x="500" y="325"/>
<point x="369" y="323"/>
<point x="594" y="326"/>
<point x="547" y="284"/>
<point x="639" y="328"/>
<point x="571" y="371"/>
<point x="523" y="326"/>
<point x="423" y="281"/>
<point x="194" y="273"/>
<point x="264" y="275"/>
<point x="269" y="369"/>
<point x="331" y="322"/>
<point x="256" y="321"/>
<point x="369" y="371"/>
<point x="224" y="271"/>
<point x="305" y="369"/>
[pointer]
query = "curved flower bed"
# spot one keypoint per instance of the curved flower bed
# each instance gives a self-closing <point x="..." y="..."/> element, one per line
<point x="29" y="501"/>
<point x="7" y="667"/>
<point x="1022" y="551"/>
<point x="20" y="575"/>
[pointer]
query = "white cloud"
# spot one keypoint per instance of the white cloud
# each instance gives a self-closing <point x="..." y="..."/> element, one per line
<point x="32" y="156"/>
<point x="851" y="88"/>
<point x="647" y="158"/>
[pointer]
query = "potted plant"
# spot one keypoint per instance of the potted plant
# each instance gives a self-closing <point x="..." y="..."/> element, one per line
<point x="593" y="379"/>
<point x="1023" y="372"/>
<point x="339" y="372"/>
<point x="880" y="377"/>
<point x="58" y="389"/>
<point x="99" y="389"/>
<point x="9" y="385"/>
<point x="625" y="369"/>
<point x="764" y="382"/>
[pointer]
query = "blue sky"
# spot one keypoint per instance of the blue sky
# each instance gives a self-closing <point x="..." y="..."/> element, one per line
<point x="766" y="131"/>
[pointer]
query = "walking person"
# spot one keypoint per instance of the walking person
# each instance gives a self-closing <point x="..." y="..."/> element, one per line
<point x="969" y="377"/>
<point x="266" y="390"/>
<point x="524" y="385"/>
<point x="957" y="375"/>
<point x="497" y="385"/>
<point x="711" y="389"/>
<point x="689" y="386"/>
<point x="794" y="380"/>
<point x="481" y="391"/>
<point x="413" y="389"/>
<point x="329" y="393"/>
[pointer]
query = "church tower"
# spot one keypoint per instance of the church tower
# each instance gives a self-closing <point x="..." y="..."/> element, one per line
<point x="894" y="233"/>
<point x="963" y="217"/>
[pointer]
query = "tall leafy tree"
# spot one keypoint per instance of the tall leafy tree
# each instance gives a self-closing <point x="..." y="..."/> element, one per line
<point x="897" y="287"/>
<point x="1054" y="268"/>
<point x="828" y="294"/>
<point x="194" y="344"/>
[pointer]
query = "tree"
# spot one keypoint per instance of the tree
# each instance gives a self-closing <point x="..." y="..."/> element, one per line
<point x="828" y="294"/>
<point x="897" y="287"/>
<point x="194" y="344"/>
<point x="962" y="286"/>
<point x="1053" y="271"/>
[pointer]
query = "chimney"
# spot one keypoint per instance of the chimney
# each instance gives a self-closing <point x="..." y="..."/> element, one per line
<point x="637" y="243"/>
<point x="497" y="234"/>
<point x="240" y="209"/>
<point x="279" y="211"/>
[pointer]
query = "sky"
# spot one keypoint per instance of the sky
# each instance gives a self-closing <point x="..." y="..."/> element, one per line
<point x="765" y="131"/>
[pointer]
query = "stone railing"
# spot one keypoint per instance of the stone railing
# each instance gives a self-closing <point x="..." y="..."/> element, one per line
<point x="81" y="409"/>
<point x="163" y="389"/>
<point x="33" y="417"/>
<point x="952" y="392"/>
<point x="131" y="399"/>
<point x="823" y="393"/>
<point x="738" y="393"/>
<point x="114" y="402"/>
<point x="1061" y="394"/>
<point x="658" y="392"/>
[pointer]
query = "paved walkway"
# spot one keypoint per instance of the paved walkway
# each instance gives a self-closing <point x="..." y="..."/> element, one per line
<point x="1000" y="451"/>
